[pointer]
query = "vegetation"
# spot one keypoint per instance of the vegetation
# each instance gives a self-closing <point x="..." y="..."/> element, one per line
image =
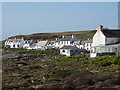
<point x="63" y="72"/>
<point x="72" y="58"/>
<point x="107" y="61"/>
<point x="49" y="52"/>
<point x="81" y="35"/>
<point x="32" y="69"/>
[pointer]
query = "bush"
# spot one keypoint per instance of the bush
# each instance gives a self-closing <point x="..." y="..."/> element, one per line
<point x="107" y="61"/>
<point x="72" y="58"/>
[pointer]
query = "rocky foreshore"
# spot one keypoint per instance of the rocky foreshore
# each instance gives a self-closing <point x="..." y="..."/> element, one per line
<point x="29" y="57"/>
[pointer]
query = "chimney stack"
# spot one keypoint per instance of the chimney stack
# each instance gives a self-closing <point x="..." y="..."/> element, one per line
<point x="100" y="27"/>
<point x="63" y="36"/>
<point x="73" y="36"/>
<point x="88" y="39"/>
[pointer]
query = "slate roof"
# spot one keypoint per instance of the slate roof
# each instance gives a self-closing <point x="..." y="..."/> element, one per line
<point x="33" y="45"/>
<point x="64" y="39"/>
<point x="110" y="33"/>
<point x="88" y="41"/>
<point x="69" y="47"/>
<point x="28" y="41"/>
<point x="15" y="40"/>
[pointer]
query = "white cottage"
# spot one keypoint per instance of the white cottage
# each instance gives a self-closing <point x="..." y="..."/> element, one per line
<point x="14" y="43"/>
<point x="27" y="44"/>
<point x="106" y="36"/>
<point x="86" y="44"/>
<point x="105" y="42"/>
<point x="68" y="50"/>
<point x="41" y="45"/>
<point x="64" y="41"/>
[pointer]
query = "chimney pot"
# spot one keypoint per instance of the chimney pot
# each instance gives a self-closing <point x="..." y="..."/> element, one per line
<point x="100" y="27"/>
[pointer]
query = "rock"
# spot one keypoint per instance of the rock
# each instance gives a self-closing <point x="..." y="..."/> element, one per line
<point x="82" y="81"/>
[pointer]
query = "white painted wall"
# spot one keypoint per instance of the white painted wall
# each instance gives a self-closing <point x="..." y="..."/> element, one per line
<point x="64" y="43"/>
<point x="16" y="44"/>
<point x="99" y="38"/>
<point x="88" y="46"/>
<point x="67" y="52"/>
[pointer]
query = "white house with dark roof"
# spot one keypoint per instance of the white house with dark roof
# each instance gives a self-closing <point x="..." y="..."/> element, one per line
<point x="86" y="44"/>
<point x="14" y="43"/>
<point x="27" y="44"/>
<point x="105" y="42"/>
<point x="68" y="50"/>
<point x="64" y="41"/>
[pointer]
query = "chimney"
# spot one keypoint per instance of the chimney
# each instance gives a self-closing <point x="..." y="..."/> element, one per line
<point x="100" y="27"/>
<point x="63" y="36"/>
<point x="88" y="39"/>
<point x="56" y="39"/>
<point x="22" y="38"/>
<point x="73" y="36"/>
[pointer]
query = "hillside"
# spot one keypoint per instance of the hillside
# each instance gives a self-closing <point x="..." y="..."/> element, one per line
<point x="81" y="35"/>
<point x="36" y="69"/>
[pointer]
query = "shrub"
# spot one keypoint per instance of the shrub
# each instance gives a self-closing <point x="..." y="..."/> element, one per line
<point x="107" y="61"/>
<point x="72" y="58"/>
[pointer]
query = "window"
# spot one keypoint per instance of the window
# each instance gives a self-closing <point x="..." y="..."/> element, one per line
<point x="63" y="51"/>
<point x="14" y="46"/>
<point x="93" y="50"/>
<point x="115" y="49"/>
<point x="18" y="46"/>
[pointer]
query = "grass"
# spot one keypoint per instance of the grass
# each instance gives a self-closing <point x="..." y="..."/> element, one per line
<point x="80" y="35"/>
<point x="38" y="53"/>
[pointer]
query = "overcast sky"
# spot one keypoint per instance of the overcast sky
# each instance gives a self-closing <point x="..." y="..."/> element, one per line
<point x="36" y="17"/>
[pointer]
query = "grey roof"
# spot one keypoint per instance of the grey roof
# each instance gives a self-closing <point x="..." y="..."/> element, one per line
<point x="28" y="41"/>
<point x="14" y="40"/>
<point x="69" y="47"/>
<point x="88" y="41"/>
<point x="112" y="45"/>
<point x="110" y="33"/>
<point x="33" y="45"/>
<point x="64" y="39"/>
